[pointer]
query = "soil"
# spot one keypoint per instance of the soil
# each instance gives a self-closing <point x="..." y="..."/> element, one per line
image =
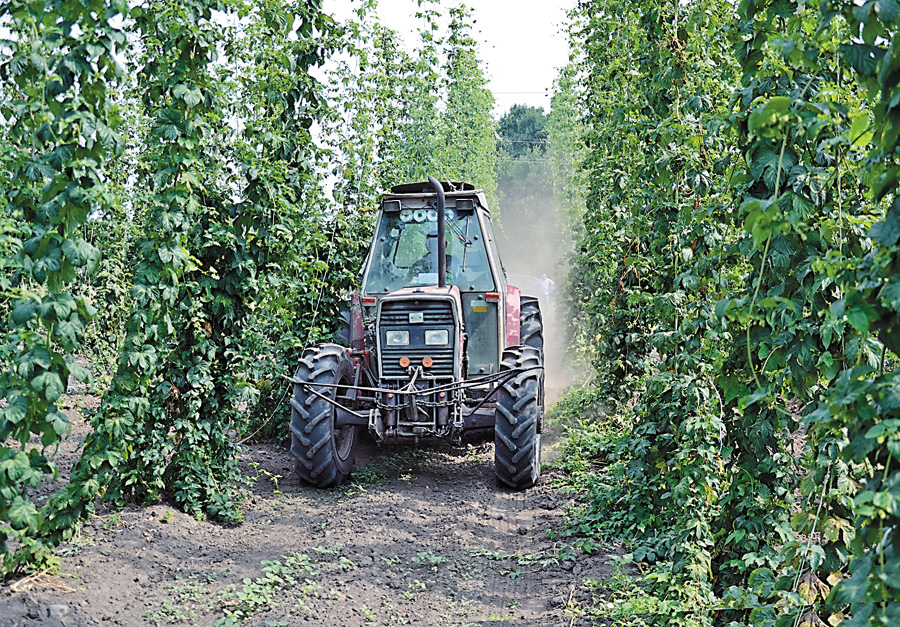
<point x="419" y="536"/>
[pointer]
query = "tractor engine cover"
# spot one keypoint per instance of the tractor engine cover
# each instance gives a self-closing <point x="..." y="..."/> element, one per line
<point x="419" y="327"/>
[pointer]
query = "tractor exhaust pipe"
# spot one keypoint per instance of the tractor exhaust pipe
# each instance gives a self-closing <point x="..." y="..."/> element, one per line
<point x="442" y="241"/>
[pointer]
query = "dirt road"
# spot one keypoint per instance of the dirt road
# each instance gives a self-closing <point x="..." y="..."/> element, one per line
<point x="419" y="537"/>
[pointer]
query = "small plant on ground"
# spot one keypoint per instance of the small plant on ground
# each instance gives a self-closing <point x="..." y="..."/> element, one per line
<point x="427" y="557"/>
<point x="413" y="588"/>
<point x="184" y="601"/>
<point x="113" y="520"/>
<point x="265" y="593"/>
<point x="392" y="562"/>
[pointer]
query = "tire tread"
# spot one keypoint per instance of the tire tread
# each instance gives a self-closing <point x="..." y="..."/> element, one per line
<point x="516" y="436"/>
<point x="311" y="427"/>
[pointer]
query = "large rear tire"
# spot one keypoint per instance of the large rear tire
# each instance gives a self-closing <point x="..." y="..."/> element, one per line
<point x="517" y="438"/>
<point x="532" y="328"/>
<point x="324" y="454"/>
<point x="532" y="334"/>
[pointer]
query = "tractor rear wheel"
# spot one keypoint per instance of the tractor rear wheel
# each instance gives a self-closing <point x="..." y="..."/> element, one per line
<point x="517" y="438"/>
<point x="532" y="329"/>
<point x="323" y="452"/>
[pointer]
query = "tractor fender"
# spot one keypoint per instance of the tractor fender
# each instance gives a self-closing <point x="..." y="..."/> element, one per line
<point x="513" y="316"/>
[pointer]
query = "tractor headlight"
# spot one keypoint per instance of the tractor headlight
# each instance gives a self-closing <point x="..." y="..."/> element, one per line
<point x="396" y="338"/>
<point x="437" y="337"/>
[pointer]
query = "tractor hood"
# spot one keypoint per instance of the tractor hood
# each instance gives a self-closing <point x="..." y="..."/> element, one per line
<point x="429" y="290"/>
<point x="420" y="326"/>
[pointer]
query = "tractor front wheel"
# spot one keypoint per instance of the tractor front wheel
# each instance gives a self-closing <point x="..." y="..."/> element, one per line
<point x="323" y="452"/>
<point x="517" y="438"/>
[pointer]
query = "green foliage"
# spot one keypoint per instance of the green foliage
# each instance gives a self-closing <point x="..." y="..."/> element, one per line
<point x="264" y="593"/>
<point x="466" y="150"/>
<point x="60" y="131"/>
<point x="524" y="182"/>
<point x="736" y="267"/>
<point x="523" y="131"/>
<point x="565" y="131"/>
<point x="181" y="442"/>
<point x="405" y="115"/>
<point x="291" y="256"/>
<point x="648" y="262"/>
<point x="115" y="230"/>
<point x="166" y="422"/>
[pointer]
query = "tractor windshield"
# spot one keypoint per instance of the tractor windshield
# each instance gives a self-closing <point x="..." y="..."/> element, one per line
<point x="405" y="253"/>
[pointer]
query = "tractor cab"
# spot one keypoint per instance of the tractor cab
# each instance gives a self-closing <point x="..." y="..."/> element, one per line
<point x="404" y="254"/>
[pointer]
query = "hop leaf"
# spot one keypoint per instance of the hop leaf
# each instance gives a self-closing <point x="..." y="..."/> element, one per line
<point x="168" y="124"/>
<point x="49" y="384"/>
<point x="863" y="57"/>
<point x="189" y="94"/>
<point x="888" y="10"/>
<point x="768" y="120"/>
<point x="22" y="514"/>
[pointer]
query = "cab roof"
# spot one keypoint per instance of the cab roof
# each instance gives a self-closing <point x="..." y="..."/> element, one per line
<point x="424" y="190"/>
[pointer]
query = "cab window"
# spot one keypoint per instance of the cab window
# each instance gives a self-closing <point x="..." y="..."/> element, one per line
<point x="405" y="252"/>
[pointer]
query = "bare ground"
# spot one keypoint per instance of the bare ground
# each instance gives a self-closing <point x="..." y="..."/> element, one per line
<point x="420" y="536"/>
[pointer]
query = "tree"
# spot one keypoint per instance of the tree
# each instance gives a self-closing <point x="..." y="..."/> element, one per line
<point x="525" y="196"/>
<point x="523" y="131"/>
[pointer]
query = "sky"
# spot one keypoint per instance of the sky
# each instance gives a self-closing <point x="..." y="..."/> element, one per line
<point x="521" y="42"/>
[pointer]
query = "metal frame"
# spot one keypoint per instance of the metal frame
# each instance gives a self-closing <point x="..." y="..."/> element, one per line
<point x="481" y="213"/>
<point x="355" y="418"/>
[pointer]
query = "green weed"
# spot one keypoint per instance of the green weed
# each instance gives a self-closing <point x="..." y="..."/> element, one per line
<point x="427" y="557"/>
<point x="184" y="601"/>
<point x="368" y="614"/>
<point x="265" y="593"/>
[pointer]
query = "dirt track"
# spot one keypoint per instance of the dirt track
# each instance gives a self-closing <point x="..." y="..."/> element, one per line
<point x="421" y="536"/>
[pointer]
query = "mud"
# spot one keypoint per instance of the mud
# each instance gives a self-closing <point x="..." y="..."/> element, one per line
<point x="419" y="536"/>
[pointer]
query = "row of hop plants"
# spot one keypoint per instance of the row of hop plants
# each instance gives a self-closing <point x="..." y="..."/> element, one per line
<point x="165" y="219"/>
<point x="737" y="279"/>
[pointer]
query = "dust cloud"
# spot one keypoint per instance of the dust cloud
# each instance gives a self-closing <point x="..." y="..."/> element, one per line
<point x="533" y="238"/>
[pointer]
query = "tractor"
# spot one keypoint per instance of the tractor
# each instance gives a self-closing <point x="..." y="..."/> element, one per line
<point x="437" y="343"/>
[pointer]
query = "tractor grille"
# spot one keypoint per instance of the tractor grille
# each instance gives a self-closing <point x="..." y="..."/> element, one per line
<point x="394" y="313"/>
<point x="435" y="314"/>
<point x="442" y="366"/>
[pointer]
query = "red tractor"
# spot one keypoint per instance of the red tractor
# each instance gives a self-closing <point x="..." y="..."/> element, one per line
<point x="439" y="343"/>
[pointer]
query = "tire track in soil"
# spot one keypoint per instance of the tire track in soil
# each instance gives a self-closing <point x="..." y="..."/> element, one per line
<point x="409" y="541"/>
